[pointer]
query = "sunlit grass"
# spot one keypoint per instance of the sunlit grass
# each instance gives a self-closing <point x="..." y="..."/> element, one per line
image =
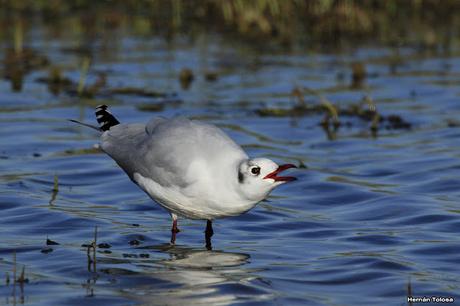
<point x="18" y="37"/>
<point x="83" y="75"/>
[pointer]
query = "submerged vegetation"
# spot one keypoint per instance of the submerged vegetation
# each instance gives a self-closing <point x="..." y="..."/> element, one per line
<point x="365" y="110"/>
<point x="17" y="281"/>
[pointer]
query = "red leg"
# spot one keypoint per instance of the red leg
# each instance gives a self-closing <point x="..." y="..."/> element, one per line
<point x="174" y="228"/>
<point x="174" y="231"/>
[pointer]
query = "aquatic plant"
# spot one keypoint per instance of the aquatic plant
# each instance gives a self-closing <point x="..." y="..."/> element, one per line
<point x="83" y="75"/>
<point x="92" y="247"/>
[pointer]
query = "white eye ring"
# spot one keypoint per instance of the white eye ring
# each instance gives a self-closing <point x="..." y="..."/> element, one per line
<point x="255" y="170"/>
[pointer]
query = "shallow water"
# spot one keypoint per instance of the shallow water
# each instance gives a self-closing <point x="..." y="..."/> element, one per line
<point x="368" y="217"/>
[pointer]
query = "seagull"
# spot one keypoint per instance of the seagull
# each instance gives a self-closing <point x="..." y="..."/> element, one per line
<point x="190" y="168"/>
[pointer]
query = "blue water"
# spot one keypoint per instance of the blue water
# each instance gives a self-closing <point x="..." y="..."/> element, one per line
<point x="369" y="217"/>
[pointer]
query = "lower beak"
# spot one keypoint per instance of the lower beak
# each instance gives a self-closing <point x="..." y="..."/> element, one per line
<point x="273" y="175"/>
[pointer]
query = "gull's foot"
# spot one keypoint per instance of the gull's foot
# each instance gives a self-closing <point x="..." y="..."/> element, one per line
<point x="173" y="237"/>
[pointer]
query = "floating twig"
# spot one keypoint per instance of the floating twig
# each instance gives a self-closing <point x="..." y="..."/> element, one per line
<point x="55" y="190"/>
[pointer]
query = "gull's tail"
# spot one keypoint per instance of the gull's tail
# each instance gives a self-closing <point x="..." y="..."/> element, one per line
<point x="85" y="124"/>
<point x="105" y="118"/>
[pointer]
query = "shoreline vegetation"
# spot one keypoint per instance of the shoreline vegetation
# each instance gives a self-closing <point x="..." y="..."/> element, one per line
<point x="428" y="24"/>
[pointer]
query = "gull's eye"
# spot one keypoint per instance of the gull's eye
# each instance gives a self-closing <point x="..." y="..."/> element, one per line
<point x="255" y="170"/>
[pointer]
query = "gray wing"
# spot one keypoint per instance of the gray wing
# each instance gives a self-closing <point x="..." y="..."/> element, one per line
<point x="165" y="149"/>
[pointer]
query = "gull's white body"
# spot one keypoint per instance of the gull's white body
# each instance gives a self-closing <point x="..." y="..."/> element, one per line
<point x="188" y="167"/>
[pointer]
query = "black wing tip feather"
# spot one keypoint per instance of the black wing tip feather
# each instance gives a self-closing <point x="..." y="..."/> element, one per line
<point x="105" y="119"/>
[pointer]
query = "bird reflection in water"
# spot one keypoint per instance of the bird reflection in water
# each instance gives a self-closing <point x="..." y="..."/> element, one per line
<point x="194" y="276"/>
<point x="208" y="234"/>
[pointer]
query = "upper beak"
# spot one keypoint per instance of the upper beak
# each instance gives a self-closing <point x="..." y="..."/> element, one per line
<point x="273" y="174"/>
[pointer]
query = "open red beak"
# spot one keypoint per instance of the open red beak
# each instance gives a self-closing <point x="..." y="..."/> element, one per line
<point x="273" y="175"/>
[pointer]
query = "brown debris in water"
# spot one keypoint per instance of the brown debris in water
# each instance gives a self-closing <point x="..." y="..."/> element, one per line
<point x="186" y="77"/>
<point x="56" y="81"/>
<point x="16" y="64"/>
<point x="211" y="76"/>
<point x="358" y="75"/>
<point x="453" y="123"/>
<point x="134" y="91"/>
